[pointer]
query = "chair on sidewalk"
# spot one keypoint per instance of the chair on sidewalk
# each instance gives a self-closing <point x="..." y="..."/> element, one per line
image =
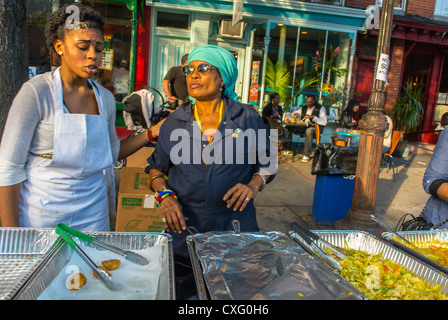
<point x="317" y="132"/>
<point x="388" y="156"/>
<point x="284" y="142"/>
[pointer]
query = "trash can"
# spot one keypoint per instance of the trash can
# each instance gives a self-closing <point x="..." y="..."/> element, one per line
<point x="332" y="199"/>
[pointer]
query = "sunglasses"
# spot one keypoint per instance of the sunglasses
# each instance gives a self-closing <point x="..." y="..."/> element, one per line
<point x="203" y="68"/>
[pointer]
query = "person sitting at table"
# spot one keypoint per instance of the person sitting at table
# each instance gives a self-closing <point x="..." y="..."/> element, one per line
<point x="387" y="141"/>
<point x="347" y="117"/>
<point x="312" y="113"/>
<point x="272" y="110"/>
<point x="442" y="124"/>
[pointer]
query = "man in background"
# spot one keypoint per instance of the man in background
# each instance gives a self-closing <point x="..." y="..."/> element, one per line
<point x="312" y="113"/>
<point x="120" y="79"/>
<point x="175" y="83"/>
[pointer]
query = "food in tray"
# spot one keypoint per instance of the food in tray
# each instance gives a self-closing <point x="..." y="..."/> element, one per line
<point x="111" y="264"/>
<point x="76" y="281"/>
<point x="434" y="250"/>
<point x="379" y="278"/>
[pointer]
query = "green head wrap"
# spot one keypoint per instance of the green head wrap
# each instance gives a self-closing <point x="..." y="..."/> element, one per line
<point x="223" y="60"/>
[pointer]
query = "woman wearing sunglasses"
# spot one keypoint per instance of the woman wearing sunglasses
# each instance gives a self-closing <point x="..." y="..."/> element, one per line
<point x="201" y="150"/>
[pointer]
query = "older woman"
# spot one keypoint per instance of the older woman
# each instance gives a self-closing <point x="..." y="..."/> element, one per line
<point x="60" y="134"/>
<point x="213" y="171"/>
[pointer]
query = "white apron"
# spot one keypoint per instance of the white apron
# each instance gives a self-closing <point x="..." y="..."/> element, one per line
<point x="72" y="189"/>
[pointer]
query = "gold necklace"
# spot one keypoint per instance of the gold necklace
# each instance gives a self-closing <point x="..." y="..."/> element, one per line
<point x="196" y="117"/>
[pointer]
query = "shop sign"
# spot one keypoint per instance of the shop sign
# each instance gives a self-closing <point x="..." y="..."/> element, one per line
<point x="382" y="68"/>
<point x="253" y="92"/>
<point x="107" y="58"/>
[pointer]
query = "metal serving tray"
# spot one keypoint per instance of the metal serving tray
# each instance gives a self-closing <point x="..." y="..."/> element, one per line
<point x="419" y="236"/>
<point x="234" y="265"/>
<point x="364" y="241"/>
<point x="125" y="240"/>
<point x="22" y="251"/>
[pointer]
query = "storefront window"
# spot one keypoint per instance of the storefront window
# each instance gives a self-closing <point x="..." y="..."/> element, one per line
<point x="38" y="53"/>
<point x="441" y="8"/>
<point x="442" y="98"/>
<point x="308" y="54"/>
<point x="173" y="20"/>
<point x="399" y="5"/>
<point x="117" y="49"/>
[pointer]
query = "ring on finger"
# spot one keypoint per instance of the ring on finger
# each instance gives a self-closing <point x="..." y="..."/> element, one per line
<point x="247" y="199"/>
<point x="164" y="219"/>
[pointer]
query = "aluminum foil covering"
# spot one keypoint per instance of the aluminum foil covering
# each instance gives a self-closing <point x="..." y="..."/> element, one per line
<point x="364" y="241"/>
<point x="242" y="266"/>
<point x="22" y="251"/>
<point x="124" y="240"/>
<point x="420" y="236"/>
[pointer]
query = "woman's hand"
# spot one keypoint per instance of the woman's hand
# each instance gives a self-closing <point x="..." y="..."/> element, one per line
<point x="172" y="216"/>
<point x="237" y="196"/>
<point x="155" y="129"/>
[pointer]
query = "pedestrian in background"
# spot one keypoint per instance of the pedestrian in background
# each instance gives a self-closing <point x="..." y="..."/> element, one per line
<point x="120" y="79"/>
<point x="175" y="85"/>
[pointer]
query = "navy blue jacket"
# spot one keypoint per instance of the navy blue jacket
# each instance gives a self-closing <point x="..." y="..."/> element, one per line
<point x="201" y="174"/>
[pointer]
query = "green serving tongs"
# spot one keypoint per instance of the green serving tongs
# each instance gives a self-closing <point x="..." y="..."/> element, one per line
<point x="101" y="274"/>
<point x="128" y="255"/>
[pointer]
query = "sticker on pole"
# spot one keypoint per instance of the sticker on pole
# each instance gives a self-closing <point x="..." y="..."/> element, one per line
<point x="383" y="67"/>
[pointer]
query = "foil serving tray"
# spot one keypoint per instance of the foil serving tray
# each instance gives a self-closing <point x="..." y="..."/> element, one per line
<point x="419" y="236"/>
<point x="54" y="264"/>
<point x="243" y="266"/>
<point x="22" y="252"/>
<point x="364" y="241"/>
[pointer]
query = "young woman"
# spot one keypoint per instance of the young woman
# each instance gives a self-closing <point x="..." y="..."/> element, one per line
<point x="60" y="136"/>
<point x="347" y="117"/>
<point x="273" y="109"/>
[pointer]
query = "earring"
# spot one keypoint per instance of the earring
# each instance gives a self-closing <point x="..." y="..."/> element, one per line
<point x="60" y="52"/>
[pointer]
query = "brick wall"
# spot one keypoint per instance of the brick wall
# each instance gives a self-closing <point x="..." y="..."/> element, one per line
<point x="419" y="7"/>
<point x="359" y="4"/>
<point x="396" y="54"/>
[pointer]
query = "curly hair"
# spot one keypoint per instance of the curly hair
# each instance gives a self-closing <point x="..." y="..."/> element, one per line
<point x="56" y="26"/>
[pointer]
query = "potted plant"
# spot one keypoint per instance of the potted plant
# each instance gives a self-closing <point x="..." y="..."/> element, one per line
<point x="329" y="69"/>
<point x="407" y="111"/>
<point x="279" y="79"/>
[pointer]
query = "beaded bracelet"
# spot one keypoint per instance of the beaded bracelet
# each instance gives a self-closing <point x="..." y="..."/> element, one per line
<point x="162" y="193"/>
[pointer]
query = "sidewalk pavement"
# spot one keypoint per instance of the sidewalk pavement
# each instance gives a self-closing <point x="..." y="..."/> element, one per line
<point x="289" y="197"/>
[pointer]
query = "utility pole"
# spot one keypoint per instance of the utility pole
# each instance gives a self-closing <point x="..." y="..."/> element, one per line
<point x="373" y="125"/>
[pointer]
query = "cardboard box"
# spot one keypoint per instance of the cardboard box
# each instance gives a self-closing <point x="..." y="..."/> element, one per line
<point x="139" y="159"/>
<point x="136" y="210"/>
